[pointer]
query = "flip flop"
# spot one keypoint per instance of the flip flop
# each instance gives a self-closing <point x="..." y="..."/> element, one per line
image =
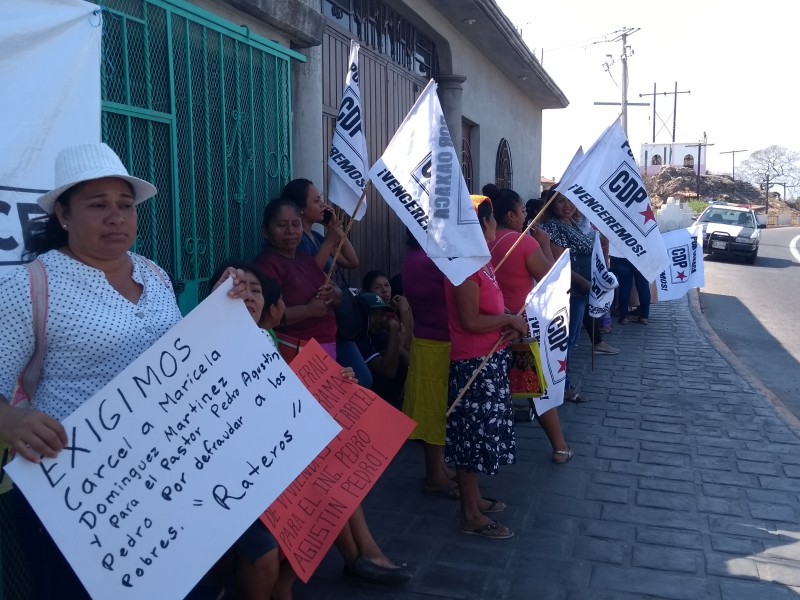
<point x="493" y="531"/>
<point x="562" y="456"/>
<point x="577" y="398"/>
<point x="448" y="493"/>
<point x="495" y="506"/>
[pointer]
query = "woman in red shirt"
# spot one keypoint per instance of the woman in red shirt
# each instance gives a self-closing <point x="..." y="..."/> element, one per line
<point x="480" y="430"/>
<point x="518" y="273"/>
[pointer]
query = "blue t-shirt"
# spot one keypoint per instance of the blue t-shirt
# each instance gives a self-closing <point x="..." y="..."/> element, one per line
<point x="310" y="244"/>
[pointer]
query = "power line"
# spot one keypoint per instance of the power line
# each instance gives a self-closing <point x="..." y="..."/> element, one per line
<point x="674" y="110"/>
<point x="733" y="154"/>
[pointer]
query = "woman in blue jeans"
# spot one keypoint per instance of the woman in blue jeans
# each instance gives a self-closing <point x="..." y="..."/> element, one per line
<point x="628" y="275"/>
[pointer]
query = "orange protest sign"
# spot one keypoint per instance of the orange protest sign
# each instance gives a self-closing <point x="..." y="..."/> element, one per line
<point x="310" y="513"/>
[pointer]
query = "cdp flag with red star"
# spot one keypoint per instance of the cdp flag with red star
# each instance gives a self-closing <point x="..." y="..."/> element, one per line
<point x="547" y="311"/>
<point x="606" y="186"/>
<point x="685" y="270"/>
<point x="348" y="156"/>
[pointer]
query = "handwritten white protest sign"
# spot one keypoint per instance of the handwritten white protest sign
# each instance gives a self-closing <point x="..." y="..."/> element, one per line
<point x="171" y="461"/>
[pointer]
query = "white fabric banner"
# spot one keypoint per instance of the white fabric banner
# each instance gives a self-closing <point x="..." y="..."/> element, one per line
<point x="606" y="186"/>
<point x="347" y="159"/>
<point x="575" y="160"/>
<point x="604" y="282"/>
<point x="547" y="311"/>
<point x="419" y="176"/>
<point x="685" y="270"/>
<point x="50" y="69"/>
<point x="175" y="458"/>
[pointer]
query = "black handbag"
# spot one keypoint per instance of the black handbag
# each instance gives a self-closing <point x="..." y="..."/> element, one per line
<point x="582" y="265"/>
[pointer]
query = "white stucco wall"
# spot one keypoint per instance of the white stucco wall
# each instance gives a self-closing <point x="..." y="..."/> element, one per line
<point x="671" y="155"/>
<point x="497" y="106"/>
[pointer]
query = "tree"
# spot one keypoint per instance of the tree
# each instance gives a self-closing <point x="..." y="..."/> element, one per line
<point x="775" y="165"/>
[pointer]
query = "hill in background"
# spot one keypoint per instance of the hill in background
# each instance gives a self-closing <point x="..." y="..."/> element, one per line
<point x="681" y="184"/>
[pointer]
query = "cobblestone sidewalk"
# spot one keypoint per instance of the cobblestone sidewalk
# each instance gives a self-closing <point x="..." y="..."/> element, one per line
<point x="685" y="485"/>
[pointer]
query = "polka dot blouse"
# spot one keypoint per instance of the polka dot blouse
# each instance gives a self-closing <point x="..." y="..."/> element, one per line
<point x="92" y="332"/>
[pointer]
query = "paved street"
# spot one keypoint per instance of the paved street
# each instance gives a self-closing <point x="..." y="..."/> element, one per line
<point x="685" y="486"/>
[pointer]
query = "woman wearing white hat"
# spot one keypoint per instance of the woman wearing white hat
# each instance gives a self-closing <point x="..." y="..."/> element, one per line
<point x="101" y="307"/>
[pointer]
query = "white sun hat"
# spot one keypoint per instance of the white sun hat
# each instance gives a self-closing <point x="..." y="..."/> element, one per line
<point x="77" y="164"/>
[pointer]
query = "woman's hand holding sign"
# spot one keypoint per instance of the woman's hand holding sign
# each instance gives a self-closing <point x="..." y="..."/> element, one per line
<point x="30" y="432"/>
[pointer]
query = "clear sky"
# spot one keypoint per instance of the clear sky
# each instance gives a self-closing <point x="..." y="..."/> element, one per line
<point x="738" y="58"/>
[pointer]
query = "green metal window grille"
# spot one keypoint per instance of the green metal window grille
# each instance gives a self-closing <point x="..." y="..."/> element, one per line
<point x="201" y="108"/>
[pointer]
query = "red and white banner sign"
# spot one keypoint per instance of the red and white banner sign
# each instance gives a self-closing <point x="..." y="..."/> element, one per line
<point x="307" y="517"/>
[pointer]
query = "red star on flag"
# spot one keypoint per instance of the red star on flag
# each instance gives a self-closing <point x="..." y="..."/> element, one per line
<point x="648" y="214"/>
<point x="562" y="366"/>
<point x="681" y="275"/>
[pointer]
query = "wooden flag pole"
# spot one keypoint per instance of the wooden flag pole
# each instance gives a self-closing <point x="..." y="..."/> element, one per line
<point x="525" y="232"/>
<point x="344" y="236"/>
<point x="472" y="378"/>
<point x="477" y="371"/>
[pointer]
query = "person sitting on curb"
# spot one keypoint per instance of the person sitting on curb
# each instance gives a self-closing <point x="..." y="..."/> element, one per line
<point x="380" y="346"/>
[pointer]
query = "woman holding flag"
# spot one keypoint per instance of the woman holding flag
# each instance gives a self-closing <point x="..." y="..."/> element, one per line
<point x="522" y="266"/>
<point x="480" y="429"/>
<point x="309" y="314"/>
<point x="313" y="210"/>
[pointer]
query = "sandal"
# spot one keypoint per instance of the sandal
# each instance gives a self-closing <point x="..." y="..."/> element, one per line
<point x="643" y="320"/>
<point x="624" y="320"/>
<point x="495" y="506"/>
<point x="492" y="530"/>
<point x="572" y="395"/>
<point x="562" y="456"/>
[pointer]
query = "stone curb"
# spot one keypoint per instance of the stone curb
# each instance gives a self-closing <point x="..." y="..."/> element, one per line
<point x="696" y="308"/>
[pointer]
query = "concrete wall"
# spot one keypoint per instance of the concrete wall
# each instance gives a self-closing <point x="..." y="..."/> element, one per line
<point x="224" y="10"/>
<point x="493" y="103"/>
<point x="671" y="155"/>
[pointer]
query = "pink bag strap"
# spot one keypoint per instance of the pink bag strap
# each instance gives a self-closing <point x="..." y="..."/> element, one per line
<point x="38" y="289"/>
<point x="155" y="270"/>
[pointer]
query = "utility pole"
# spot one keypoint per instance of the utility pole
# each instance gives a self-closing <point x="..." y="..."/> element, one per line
<point x="623" y="36"/>
<point x="674" y="108"/>
<point x="733" y="154"/>
<point x="700" y="146"/>
<point x="767" y="185"/>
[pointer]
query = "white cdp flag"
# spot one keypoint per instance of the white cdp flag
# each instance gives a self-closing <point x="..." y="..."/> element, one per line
<point x="347" y="159"/>
<point x="604" y="282"/>
<point x="50" y="69"/>
<point x="419" y="176"/>
<point x="685" y="270"/>
<point x="606" y="187"/>
<point x="547" y="311"/>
